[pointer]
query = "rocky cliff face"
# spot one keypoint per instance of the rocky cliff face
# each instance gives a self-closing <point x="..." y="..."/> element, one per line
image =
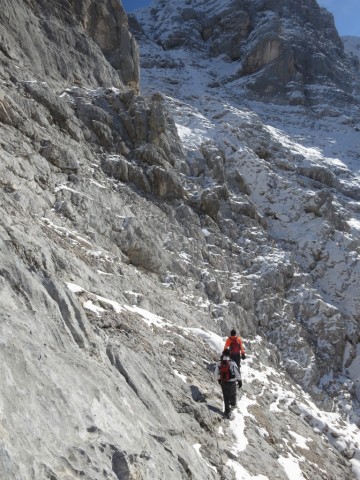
<point x="65" y="44"/>
<point x="137" y="230"/>
<point x="279" y="50"/>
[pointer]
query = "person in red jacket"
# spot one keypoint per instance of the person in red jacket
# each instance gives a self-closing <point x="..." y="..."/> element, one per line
<point x="228" y="375"/>
<point x="236" y="347"/>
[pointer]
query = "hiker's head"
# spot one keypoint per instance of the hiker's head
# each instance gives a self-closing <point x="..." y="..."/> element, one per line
<point x="233" y="332"/>
<point x="226" y="352"/>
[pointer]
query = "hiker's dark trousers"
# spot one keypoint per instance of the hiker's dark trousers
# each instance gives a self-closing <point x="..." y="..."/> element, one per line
<point x="236" y="357"/>
<point x="229" y="394"/>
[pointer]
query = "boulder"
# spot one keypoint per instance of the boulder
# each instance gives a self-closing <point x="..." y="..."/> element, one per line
<point x="59" y="156"/>
<point x="141" y="245"/>
<point x="165" y="184"/>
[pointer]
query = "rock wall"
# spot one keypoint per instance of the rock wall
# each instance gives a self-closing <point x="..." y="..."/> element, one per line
<point x="65" y="44"/>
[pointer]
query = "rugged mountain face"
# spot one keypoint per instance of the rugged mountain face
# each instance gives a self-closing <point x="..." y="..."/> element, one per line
<point x="279" y="50"/>
<point x="137" y="230"/>
<point x="60" y="43"/>
<point x="293" y="178"/>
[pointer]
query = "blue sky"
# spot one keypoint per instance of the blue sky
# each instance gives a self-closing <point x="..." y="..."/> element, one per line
<point x="131" y="5"/>
<point x="346" y="13"/>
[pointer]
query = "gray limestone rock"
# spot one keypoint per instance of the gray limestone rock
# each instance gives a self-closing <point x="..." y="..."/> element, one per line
<point x="58" y="156"/>
<point x="67" y="45"/>
<point x="319" y="174"/>
<point x="142" y="248"/>
<point x="165" y="184"/>
<point x="120" y="271"/>
<point x="210" y="203"/>
<point x="116" y="166"/>
<point x="215" y="161"/>
<point x="322" y="204"/>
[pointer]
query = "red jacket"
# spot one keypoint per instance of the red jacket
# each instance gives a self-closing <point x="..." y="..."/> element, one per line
<point x="239" y="341"/>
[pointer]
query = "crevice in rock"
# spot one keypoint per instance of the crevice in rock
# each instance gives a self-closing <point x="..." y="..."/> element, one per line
<point x="120" y="465"/>
<point x="66" y="313"/>
<point x="115" y="361"/>
<point x="185" y="466"/>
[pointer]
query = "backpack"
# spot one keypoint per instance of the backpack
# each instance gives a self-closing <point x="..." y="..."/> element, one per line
<point x="224" y="371"/>
<point x="234" y="346"/>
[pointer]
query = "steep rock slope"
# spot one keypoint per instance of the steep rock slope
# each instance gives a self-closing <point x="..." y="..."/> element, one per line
<point x="298" y="168"/>
<point x="306" y="199"/>
<point x="127" y="253"/>
<point x="68" y="387"/>
<point x="53" y="42"/>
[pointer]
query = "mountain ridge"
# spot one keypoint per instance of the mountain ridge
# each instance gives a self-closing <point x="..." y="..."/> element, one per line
<point x="273" y="54"/>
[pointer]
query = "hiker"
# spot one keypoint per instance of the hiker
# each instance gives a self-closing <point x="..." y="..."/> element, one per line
<point x="228" y="375"/>
<point x="236" y="346"/>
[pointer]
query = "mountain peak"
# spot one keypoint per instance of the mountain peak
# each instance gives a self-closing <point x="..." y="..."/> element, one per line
<point x="277" y="49"/>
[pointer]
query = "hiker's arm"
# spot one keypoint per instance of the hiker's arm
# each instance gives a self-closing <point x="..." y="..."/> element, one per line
<point x="242" y="349"/>
<point x="236" y="371"/>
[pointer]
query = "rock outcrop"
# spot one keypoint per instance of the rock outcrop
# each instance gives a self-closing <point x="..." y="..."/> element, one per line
<point x="64" y="44"/>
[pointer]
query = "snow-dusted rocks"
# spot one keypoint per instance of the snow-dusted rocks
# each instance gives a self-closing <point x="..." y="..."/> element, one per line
<point x="352" y="45"/>
<point x="296" y="291"/>
<point x="275" y="49"/>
